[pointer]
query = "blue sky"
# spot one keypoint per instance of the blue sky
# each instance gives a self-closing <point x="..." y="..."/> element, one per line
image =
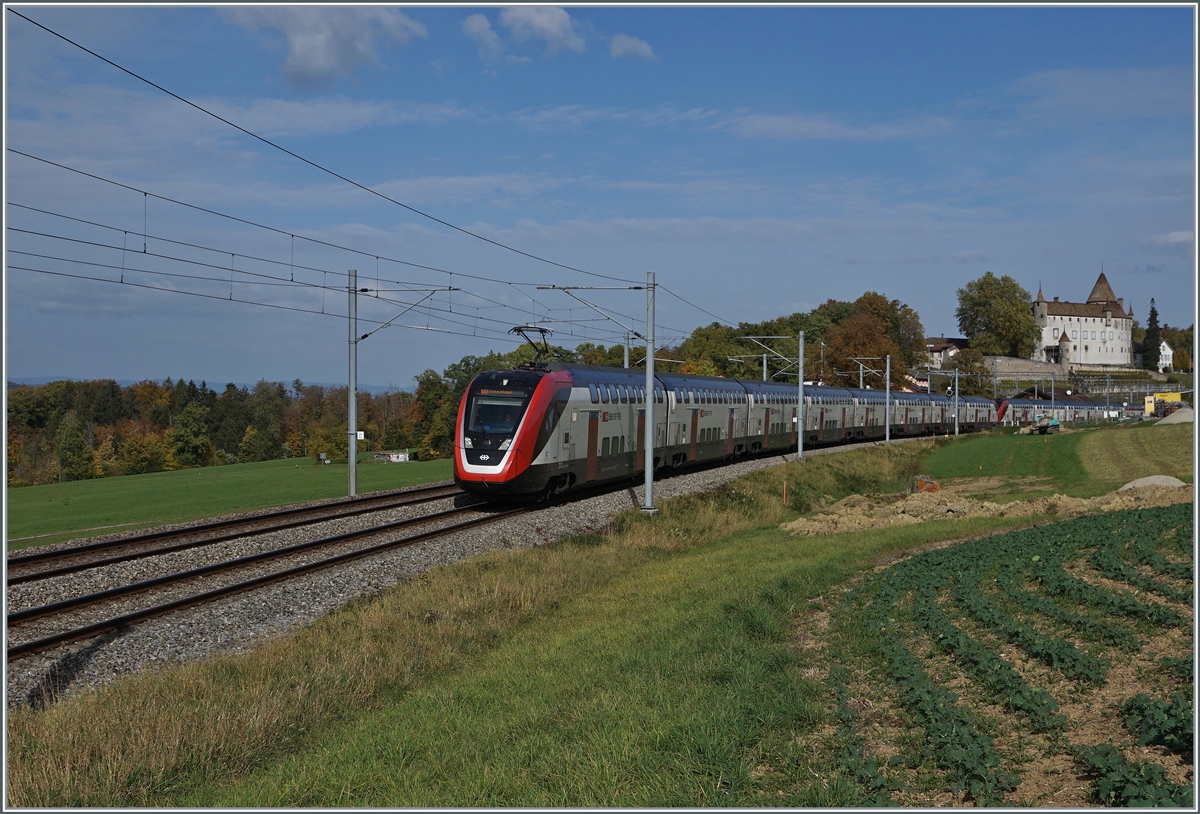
<point x="759" y="161"/>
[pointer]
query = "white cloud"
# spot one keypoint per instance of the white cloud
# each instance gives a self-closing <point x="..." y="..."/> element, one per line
<point x="1172" y="238"/>
<point x="800" y="126"/>
<point x="480" y="30"/>
<point x="576" y="115"/>
<point x="629" y="47"/>
<point x="279" y="117"/>
<point x="1179" y="243"/>
<point x="1107" y="95"/>
<point x="325" y="42"/>
<point x="543" y="23"/>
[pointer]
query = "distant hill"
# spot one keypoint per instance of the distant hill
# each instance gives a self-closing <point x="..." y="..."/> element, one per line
<point x="373" y="389"/>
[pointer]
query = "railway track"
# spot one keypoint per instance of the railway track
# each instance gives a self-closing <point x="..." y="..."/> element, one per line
<point x="45" y="564"/>
<point x="43" y="627"/>
<point x="90" y="613"/>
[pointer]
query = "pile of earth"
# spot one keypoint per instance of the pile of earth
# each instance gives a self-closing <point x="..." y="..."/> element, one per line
<point x="858" y="512"/>
<point x="1184" y="415"/>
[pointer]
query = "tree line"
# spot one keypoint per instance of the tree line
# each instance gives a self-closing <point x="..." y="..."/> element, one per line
<point x="76" y="430"/>
<point x="69" y="430"/>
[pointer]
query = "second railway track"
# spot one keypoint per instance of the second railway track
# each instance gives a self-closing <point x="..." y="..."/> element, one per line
<point x="43" y="564"/>
<point x="41" y="627"/>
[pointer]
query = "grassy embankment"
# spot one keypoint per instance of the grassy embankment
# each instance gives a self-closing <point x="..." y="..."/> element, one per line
<point x="649" y="666"/>
<point x="39" y="515"/>
<point x="1082" y="462"/>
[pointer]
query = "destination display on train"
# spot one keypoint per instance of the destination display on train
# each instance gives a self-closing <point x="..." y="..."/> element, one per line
<point x="491" y="391"/>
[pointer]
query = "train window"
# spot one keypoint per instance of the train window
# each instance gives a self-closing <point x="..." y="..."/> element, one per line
<point x="595" y="393"/>
<point x="624" y="393"/>
<point x="622" y="443"/>
<point x="678" y="396"/>
<point x="604" y="447"/>
<point x="658" y="394"/>
<point x="688" y="396"/>
<point x="604" y="393"/>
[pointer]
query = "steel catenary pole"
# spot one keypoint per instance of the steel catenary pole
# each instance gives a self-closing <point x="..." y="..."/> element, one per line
<point x="648" y="441"/>
<point x="352" y="390"/>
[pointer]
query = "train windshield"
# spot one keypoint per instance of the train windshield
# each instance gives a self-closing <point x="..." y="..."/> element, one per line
<point x="496" y="411"/>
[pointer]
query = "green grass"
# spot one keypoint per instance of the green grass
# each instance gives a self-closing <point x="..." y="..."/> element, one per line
<point x="1082" y="463"/>
<point x="651" y="666"/>
<point x="38" y="515"/>
<point x="657" y="689"/>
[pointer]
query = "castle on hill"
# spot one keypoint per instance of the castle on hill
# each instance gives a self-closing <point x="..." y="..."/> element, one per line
<point x="1092" y="334"/>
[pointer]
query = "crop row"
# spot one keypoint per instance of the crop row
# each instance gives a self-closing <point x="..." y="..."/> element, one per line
<point x="1121" y="782"/>
<point x="1027" y="570"/>
<point x="1159" y="722"/>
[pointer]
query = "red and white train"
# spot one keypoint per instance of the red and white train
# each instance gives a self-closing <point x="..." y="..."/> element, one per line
<point x="540" y="431"/>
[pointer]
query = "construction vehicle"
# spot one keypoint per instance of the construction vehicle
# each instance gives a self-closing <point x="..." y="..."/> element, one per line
<point x="1047" y="425"/>
<point x="1160" y="405"/>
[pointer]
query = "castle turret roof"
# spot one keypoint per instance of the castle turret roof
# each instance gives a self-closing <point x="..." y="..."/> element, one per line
<point x="1102" y="292"/>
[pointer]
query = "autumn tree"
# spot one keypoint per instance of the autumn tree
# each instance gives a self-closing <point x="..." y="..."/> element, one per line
<point x="861" y="336"/>
<point x="994" y="314"/>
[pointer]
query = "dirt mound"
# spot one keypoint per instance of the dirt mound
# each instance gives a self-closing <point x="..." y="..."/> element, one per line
<point x="858" y="512"/>
<point x="1153" y="480"/>
<point x="1184" y="415"/>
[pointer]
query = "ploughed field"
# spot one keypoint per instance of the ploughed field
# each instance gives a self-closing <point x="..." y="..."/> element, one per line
<point x="721" y="654"/>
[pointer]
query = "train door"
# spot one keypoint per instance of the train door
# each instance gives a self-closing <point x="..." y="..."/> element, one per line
<point x="592" y="443"/>
<point x="766" y="434"/>
<point x="729" y="433"/>
<point x="695" y="435"/>
<point x="845" y="432"/>
<point x="639" y="443"/>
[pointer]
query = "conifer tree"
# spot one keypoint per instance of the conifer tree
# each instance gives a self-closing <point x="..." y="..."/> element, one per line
<point x="1151" y="345"/>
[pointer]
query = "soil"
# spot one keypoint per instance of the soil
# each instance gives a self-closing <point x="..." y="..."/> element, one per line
<point x="858" y="512"/>
<point x="1050" y="777"/>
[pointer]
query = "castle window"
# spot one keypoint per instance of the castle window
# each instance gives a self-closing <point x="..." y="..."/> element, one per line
<point x="1074" y="334"/>
<point x="1056" y="333"/>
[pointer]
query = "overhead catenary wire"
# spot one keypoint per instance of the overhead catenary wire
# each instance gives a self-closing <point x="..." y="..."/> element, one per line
<point x="313" y="163"/>
<point x="216" y="250"/>
<point x="292" y="236"/>
<point x="257" y="225"/>
<point x="268" y="281"/>
<point x="239" y="301"/>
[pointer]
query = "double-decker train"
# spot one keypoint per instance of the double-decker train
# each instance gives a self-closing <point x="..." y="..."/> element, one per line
<point x="539" y="431"/>
<point x="1022" y="411"/>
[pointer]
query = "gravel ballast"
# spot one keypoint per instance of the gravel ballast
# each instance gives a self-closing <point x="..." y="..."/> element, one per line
<point x="240" y="622"/>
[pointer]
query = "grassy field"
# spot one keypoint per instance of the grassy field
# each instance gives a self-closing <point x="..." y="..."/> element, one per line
<point x="1080" y="462"/>
<point x="39" y="515"/>
<point x="679" y="661"/>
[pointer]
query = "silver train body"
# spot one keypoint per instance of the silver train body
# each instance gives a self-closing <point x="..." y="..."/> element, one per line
<point x="536" y="433"/>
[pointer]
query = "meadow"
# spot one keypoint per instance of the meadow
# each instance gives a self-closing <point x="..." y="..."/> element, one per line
<point x="51" y="513"/>
<point x="701" y="658"/>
